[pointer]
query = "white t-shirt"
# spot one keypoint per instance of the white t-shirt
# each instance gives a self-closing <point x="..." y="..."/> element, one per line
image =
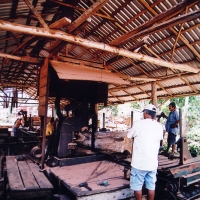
<point x="147" y="134"/>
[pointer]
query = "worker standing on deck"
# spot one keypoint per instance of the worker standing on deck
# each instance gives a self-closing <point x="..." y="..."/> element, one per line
<point x="17" y="124"/>
<point x="164" y="131"/>
<point x="50" y="128"/>
<point x="49" y="132"/>
<point x="171" y="127"/>
<point x="147" y="134"/>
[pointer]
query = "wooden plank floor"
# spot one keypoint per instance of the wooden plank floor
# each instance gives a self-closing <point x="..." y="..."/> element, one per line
<point x="25" y="180"/>
<point x="94" y="173"/>
<point x="164" y="162"/>
<point x="15" y="181"/>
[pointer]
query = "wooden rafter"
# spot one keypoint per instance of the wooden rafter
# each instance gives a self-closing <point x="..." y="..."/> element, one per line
<point x="117" y="98"/>
<point x="91" y="10"/>
<point x="34" y="11"/>
<point x="21" y="58"/>
<point x="175" y="32"/>
<point x="83" y="10"/>
<point x="90" y="44"/>
<point x="159" y="18"/>
<point x="106" y="26"/>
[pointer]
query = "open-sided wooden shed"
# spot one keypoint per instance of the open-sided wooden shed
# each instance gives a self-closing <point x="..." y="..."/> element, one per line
<point x="137" y="45"/>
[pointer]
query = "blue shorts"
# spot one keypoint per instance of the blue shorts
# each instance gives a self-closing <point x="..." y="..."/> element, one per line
<point x="138" y="177"/>
<point x="171" y="139"/>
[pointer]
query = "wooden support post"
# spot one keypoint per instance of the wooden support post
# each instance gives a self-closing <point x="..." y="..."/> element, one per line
<point x="43" y="103"/>
<point x="154" y="93"/>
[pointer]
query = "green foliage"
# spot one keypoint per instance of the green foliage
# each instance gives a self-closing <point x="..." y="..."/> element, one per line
<point x="165" y="146"/>
<point x="135" y="105"/>
<point x="192" y="123"/>
<point x="193" y="112"/>
<point x="193" y="143"/>
<point x="160" y="101"/>
<point x="194" y="148"/>
<point x="180" y="102"/>
<point x="114" y="109"/>
<point x="194" y="134"/>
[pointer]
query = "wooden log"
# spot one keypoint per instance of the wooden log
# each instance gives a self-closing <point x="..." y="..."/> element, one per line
<point x="108" y="141"/>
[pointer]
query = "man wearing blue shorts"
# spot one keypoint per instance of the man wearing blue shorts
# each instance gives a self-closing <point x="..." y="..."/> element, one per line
<point x="172" y="127"/>
<point x="147" y="134"/>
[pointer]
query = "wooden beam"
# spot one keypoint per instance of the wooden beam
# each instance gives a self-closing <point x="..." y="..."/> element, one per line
<point x="122" y="102"/>
<point x="194" y="51"/>
<point x="164" y="25"/>
<point x="91" y="44"/>
<point x="131" y="78"/>
<point x="162" y="79"/>
<point x="43" y="103"/>
<point x="22" y="58"/>
<point x="38" y="16"/>
<point x="60" y="23"/>
<point x="169" y="93"/>
<point x="192" y="87"/>
<point x="160" y="97"/>
<point x="71" y="27"/>
<point x="88" y="13"/>
<point x="17" y="85"/>
<point x="77" y="61"/>
<point x="144" y="91"/>
<point x="131" y="95"/>
<point x="188" y="4"/>
<point x="17" y="98"/>
<point x="84" y="10"/>
<point x="154" y="93"/>
<point x="158" y="18"/>
<point x="117" y="57"/>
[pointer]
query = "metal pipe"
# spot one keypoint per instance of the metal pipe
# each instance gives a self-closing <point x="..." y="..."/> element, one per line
<point x="131" y="119"/>
<point x="180" y="123"/>
<point x="103" y="120"/>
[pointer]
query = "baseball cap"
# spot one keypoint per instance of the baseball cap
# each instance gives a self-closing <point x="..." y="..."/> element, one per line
<point x="172" y="104"/>
<point x="150" y="107"/>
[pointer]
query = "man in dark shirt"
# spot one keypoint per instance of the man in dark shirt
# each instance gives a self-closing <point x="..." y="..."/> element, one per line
<point x="171" y="127"/>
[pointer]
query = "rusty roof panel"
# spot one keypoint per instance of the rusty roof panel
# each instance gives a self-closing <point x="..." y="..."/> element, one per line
<point x="118" y="18"/>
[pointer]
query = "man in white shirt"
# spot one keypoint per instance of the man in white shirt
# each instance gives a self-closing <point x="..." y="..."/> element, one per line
<point x="147" y="134"/>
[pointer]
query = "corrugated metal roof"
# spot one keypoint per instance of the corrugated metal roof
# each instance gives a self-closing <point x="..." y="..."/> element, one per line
<point x="167" y="29"/>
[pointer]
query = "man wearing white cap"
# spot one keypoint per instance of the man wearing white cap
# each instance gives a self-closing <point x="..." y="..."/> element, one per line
<point x="147" y="134"/>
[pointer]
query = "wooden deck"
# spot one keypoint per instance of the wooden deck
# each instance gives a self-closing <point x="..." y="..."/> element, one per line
<point x="94" y="173"/>
<point x="165" y="163"/>
<point x="70" y="176"/>
<point x="25" y="180"/>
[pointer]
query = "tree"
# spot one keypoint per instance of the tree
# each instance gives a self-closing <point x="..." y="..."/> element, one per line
<point x="135" y="105"/>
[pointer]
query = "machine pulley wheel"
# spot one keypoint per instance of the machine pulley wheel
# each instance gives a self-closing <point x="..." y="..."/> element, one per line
<point x="169" y="195"/>
<point x="36" y="152"/>
<point x="172" y="187"/>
